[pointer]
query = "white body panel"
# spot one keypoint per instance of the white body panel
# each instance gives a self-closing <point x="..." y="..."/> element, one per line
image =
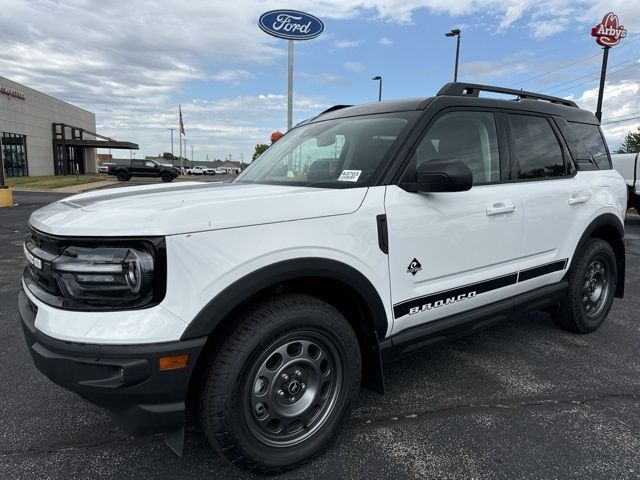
<point x="455" y="241"/>
<point x="189" y="207"/>
<point x="204" y="262"/>
<point x="627" y="165"/>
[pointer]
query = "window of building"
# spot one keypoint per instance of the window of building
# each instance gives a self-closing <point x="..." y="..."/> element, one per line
<point x="466" y="136"/>
<point x="592" y="138"/>
<point x="537" y="148"/>
<point x="14" y="154"/>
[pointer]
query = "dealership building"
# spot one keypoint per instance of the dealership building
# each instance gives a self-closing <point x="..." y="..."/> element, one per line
<point x="41" y="135"/>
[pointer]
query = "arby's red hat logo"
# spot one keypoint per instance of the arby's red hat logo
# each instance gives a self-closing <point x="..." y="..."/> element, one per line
<point x="609" y="32"/>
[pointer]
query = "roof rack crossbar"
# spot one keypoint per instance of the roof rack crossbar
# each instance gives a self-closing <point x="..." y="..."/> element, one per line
<point x="474" y="89"/>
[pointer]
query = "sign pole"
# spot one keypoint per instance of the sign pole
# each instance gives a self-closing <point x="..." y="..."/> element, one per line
<point x="603" y="74"/>
<point x="290" y="88"/>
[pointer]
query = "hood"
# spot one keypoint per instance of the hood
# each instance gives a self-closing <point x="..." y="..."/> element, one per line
<point x="189" y="207"/>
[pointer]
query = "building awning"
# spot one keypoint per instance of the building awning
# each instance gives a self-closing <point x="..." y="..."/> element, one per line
<point x="77" y="138"/>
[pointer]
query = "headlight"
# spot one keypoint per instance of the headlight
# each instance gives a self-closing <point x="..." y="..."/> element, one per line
<point x="96" y="274"/>
<point x="105" y="275"/>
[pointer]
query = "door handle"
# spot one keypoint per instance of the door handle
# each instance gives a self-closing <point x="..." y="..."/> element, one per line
<point x="578" y="198"/>
<point x="501" y="207"/>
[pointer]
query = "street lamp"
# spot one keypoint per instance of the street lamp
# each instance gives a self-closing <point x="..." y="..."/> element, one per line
<point x="379" y="78"/>
<point x="455" y="33"/>
<point x="191" y="155"/>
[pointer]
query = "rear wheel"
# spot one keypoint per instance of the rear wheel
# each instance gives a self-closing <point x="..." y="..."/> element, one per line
<point x="166" y="177"/>
<point x="592" y="285"/>
<point x="122" y="176"/>
<point x="280" y="386"/>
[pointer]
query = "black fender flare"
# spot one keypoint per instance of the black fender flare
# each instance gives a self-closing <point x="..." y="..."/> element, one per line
<point x="232" y="296"/>
<point x="607" y="220"/>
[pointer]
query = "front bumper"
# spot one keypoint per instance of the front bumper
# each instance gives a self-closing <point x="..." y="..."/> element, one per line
<point x="123" y="379"/>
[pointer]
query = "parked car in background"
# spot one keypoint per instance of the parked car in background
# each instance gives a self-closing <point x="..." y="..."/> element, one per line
<point x="219" y="171"/>
<point x="200" y="170"/>
<point x="628" y="165"/>
<point x="144" y="168"/>
<point x="106" y="167"/>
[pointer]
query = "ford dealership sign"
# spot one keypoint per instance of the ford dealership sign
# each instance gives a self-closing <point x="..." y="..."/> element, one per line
<point x="291" y="24"/>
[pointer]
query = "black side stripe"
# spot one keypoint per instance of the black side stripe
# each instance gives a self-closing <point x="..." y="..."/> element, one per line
<point x="534" y="272"/>
<point x="401" y="309"/>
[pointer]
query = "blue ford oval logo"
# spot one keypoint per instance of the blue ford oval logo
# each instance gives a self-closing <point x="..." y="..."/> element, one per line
<point x="290" y="24"/>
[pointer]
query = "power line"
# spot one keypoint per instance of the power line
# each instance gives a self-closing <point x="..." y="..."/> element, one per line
<point x="619" y="116"/>
<point x="621" y="121"/>
<point x="587" y="75"/>
<point x="554" y="70"/>
<point x="543" y="74"/>
<point x="589" y="81"/>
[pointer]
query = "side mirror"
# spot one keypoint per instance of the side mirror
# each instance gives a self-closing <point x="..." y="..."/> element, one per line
<point x="441" y="176"/>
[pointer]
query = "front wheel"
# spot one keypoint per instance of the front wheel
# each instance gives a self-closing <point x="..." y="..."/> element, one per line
<point x="592" y="285"/>
<point x="166" y="177"/>
<point x="279" y="388"/>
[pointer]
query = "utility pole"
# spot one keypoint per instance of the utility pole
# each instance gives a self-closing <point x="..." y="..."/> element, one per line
<point x="191" y="155"/>
<point x="172" y="129"/>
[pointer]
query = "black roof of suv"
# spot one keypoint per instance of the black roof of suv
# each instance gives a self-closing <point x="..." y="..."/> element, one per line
<point x="468" y="94"/>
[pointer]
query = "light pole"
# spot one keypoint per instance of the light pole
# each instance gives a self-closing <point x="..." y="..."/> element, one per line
<point x="192" y="155"/>
<point x="379" y="79"/>
<point x="172" y="129"/>
<point x="455" y="33"/>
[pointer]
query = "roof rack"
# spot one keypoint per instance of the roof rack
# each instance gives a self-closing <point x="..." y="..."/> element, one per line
<point x="474" y="89"/>
<point x="334" y="108"/>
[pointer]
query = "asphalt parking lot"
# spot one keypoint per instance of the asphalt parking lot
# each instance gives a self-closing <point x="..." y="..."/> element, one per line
<point x="520" y="400"/>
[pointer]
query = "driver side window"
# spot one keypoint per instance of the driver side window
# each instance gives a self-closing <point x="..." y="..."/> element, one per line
<point x="466" y="136"/>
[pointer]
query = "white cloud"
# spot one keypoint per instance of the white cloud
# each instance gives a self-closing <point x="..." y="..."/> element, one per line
<point x="232" y="75"/>
<point x="346" y="43"/>
<point x="353" y="66"/>
<point x="487" y="70"/>
<point x="385" y="41"/>
<point x="621" y="99"/>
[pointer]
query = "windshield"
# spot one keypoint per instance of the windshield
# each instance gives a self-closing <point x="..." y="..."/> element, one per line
<point x="335" y="153"/>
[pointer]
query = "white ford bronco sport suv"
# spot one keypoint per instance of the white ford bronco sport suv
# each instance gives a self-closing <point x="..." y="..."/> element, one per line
<point x="365" y="233"/>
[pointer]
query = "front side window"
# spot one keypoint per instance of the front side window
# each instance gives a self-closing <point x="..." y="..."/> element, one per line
<point x="592" y="138"/>
<point x="466" y="136"/>
<point x="536" y="147"/>
<point x="344" y="152"/>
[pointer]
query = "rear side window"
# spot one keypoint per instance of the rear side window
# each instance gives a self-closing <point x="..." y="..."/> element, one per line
<point x="537" y="149"/>
<point x="592" y="138"/>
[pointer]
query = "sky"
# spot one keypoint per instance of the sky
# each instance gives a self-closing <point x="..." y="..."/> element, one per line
<point x="133" y="62"/>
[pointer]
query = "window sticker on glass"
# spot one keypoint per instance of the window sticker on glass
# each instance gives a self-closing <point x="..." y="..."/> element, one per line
<point x="349" y="175"/>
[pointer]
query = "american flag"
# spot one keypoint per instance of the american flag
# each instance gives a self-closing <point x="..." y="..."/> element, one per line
<point x="181" y="122"/>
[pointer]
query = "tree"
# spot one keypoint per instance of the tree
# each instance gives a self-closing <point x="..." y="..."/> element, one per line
<point x="259" y="150"/>
<point x="631" y="143"/>
<point x="168" y="156"/>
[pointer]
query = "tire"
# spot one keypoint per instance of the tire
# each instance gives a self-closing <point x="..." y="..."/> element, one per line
<point x="592" y="285"/>
<point x="309" y="357"/>
<point x="166" y="177"/>
<point x="188" y="173"/>
<point x="122" y="176"/>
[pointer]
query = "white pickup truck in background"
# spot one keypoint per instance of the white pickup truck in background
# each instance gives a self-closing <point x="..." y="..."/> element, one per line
<point x="628" y="166"/>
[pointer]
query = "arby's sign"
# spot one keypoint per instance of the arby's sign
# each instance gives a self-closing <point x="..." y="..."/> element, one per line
<point x="609" y="32"/>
